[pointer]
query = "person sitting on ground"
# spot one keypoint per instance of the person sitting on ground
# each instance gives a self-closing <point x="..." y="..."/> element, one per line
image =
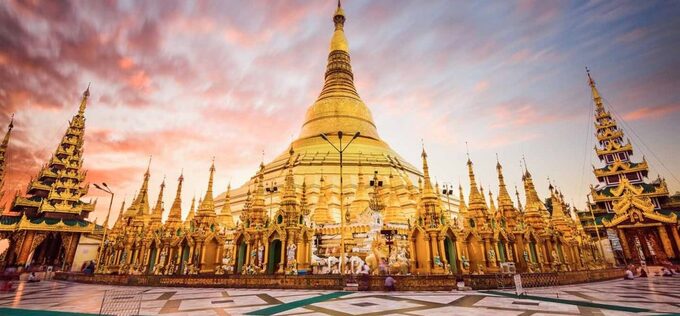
<point x="643" y="273"/>
<point x="33" y="278"/>
<point x="665" y="272"/>
<point x="629" y="274"/>
<point x="389" y="283"/>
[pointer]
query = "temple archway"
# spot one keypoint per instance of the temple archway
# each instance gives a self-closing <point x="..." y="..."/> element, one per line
<point x="185" y="253"/>
<point x="153" y="254"/>
<point x="49" y="252"/>
<point x="451" y="255"/>
<point x="210" y="255"/>
<point x="241" y="249"/>
<point x="274" y="258"/>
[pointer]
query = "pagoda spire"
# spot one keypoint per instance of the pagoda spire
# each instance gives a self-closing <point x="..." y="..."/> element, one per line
<point x="207" y="205"/>
<point x="338" y="107"/>
<point x="427" y="185"/>
<point x="504" y="199"/>
<point x="321" y="215"/>
<point x="519" y="202"/>
<point x="157" y="214"/>
<point x="120" y="221"/>
<point x="225" y="217"/>
<point x="596" y="94"/>
<point x="83" y="101"/>
<point x="3" y="159"/>
<point x="477" y="204"/>
<point x="192" y="210"/>
<point x="140" y="205"/>
<point x="60" y="184"/>
<point x="176" y="209"/>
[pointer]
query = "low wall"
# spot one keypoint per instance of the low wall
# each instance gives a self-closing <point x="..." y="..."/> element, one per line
<point x="337" y="282"/>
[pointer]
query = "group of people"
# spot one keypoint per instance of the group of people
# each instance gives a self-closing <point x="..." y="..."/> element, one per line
<point x="632" y="272"/>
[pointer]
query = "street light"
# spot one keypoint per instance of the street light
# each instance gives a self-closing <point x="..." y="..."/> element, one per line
<point x="271" y="190"/>
<point x="597" y="230"/>
<point x="340" y="150"/>
<point x="448" y="191"/>
<point x="106" y="221"/>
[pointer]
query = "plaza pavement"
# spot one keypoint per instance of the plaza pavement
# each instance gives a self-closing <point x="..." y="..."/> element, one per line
<point x="652" y="296"/>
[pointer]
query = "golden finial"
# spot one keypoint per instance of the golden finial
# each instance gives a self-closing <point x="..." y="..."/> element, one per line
<point x="83" y="102"/>
<point x="148" y="167"/>
<point x="591" y="82"/>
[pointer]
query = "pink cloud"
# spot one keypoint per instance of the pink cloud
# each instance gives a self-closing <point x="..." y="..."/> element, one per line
<point x="657" y="112"/>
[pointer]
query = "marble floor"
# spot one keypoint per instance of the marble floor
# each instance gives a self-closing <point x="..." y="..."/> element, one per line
<point x="653" y="296"/>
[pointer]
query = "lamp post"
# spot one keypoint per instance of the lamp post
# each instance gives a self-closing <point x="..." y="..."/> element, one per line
<point x="340" y="150"/>
<point x="448" y="190"/>
<point x="106" y="189"/>
<point x="597" y="230"/>
<point x="271" y="189"/>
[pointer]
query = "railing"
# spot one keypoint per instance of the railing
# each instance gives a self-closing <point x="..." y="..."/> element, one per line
<point x="121" y="302"/>
<point x="338" y="282"/>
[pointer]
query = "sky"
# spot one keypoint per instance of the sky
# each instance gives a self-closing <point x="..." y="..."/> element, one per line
<point x="185" y="81"/>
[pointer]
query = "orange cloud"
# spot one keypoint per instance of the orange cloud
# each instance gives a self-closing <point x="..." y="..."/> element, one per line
<point x="651" y="112"/>
<point x="125" y="63"/>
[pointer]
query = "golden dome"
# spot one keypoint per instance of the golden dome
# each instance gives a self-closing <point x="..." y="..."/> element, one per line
<point x="337" y="109"/>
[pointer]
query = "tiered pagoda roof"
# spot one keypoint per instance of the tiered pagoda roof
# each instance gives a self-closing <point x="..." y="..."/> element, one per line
<point x="619" y="171"/>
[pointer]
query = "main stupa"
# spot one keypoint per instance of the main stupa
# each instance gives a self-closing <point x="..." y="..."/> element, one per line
<point x="338" y="108"/>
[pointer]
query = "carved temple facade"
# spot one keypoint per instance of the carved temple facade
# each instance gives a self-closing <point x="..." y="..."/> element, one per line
<point x="44" y="225"/>
<point x="639" y="213"/>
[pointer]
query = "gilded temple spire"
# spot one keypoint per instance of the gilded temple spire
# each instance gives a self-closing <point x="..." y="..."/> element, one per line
<point x="3" y="158"/>
<point x="427" y="185"/>
<point x="140" y="205"/>
<point x="225" y="217"/>
<point x="207" y="205"/>
<point x="157" y="213"/>
<point x="321" y="215"/>
<point x="504" y="199"/>
<point x="338" y="107"/>
<point x="60" y="184"/>
<point x="176" y="209"/>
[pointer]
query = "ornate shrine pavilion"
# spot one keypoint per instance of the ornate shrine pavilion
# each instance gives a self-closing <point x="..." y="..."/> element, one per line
<point x="45" y="224"/>
<point x="636" y="212"/>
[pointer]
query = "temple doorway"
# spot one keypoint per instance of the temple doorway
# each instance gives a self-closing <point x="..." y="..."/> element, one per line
<point x="274" y="256"/>
<point x="152" y="257"/>
<point x="49" y="252"/>
<point x="210" y="255"/>
<point x="646" y="245"/>
<point x="240" y="256"/>
<point x="184" y="257"/>
<point x="451" y="256"/>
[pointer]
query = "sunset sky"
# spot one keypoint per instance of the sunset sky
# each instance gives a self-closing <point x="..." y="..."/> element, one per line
<point x="185" y="81"/>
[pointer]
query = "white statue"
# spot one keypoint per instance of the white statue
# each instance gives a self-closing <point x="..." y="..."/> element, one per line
<point x="260" y="254"/>
<point x="290" y="252"/>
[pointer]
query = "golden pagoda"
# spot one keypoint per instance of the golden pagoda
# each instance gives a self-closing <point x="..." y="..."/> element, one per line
<point x="46" y="223"/>
<point x="626" y="205"/>
<point x="387" y="222"/>
<point x="338" y="108"/>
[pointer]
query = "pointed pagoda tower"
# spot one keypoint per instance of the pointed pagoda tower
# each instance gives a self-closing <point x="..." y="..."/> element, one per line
<point x="431" y="238"/>
<point x="3" y="162"/>
<point x="625" y="199"/>
<point x="225" y="218"/>
<point x="174" y="221"/>
<point x="338" y="108"/>
<point x="52" y="202"/>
